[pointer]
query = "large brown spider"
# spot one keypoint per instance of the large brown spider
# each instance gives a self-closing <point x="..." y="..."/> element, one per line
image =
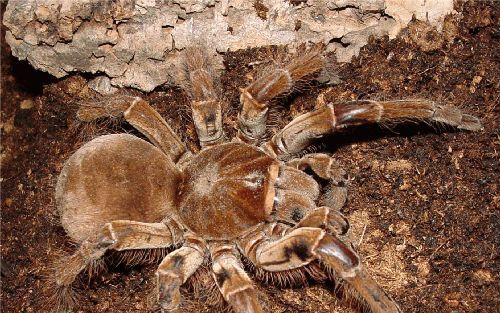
<point x="233" y="202"/>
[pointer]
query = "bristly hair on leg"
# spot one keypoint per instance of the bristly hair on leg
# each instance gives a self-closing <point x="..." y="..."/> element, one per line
<point x="272" y="83"/>
<point x="198" y="77"/>
<point x="280" y="80"/>
<point x="203" y="287"/>
<point x="199" y="288"/>
<point x="101" y="116"/>
<point x="94" y="268"/>
<point x="347" y="295"/>
<point x="276" y="119"/>
<point x="138" y="257"/>
<point x="348" y="292"/>
<point x="198" y="81"/>
<point x="63" y="299"/>
<point x="308" y="62"/>
<point x="398" y="111"/>
<point x="290" y="278"/>
<point x="104" y="107"/>
<point x="57" y="297"/>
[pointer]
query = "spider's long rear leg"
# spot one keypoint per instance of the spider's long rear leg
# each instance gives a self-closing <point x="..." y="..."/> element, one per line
<point x="117" y="235"/>
<point x="255" y="98"/>
<point x="198" y="82"/>
<point x="301" y="132"/>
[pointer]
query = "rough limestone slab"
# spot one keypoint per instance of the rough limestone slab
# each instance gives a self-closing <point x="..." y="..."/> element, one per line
<point x="136" y="43"/>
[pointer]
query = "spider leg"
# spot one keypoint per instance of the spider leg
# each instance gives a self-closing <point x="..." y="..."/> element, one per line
<point x="301" y="132"/>
<point x="149" y="122"/>
<point x="322" y="165"/>
<point x="338" y="256"/>
<point x="175" y="269"/>
<point x="255" y="98"/>
<point x="117" y="235"/>
<point x="233" y="282"/>
<point x="325" y="217"/>
<point x="140" y="115"/>
<point x="303" y="245"/>
<point x="325" y="167"/>
<point x="198" y="82"/>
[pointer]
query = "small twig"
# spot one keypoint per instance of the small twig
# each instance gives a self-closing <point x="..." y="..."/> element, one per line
<point x="371" y="256"/>
<point x="425" y="286"/>
<point x="427" y="69"/>
<point x="440" y="246"/>
<point x="362" y="235"/>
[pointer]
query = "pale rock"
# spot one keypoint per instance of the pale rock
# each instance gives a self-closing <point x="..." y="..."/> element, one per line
<point x="102" y="85"/>
<point x="137" y="43"/>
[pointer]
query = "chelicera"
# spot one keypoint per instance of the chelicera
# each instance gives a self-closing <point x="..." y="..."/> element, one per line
<point x="235" y="205"/>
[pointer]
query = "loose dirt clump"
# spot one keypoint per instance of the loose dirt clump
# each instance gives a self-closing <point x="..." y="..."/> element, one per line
<point x="423" y="201"/>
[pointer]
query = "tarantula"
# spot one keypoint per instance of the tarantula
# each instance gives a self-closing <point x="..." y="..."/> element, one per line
<point x="233" y="203"/>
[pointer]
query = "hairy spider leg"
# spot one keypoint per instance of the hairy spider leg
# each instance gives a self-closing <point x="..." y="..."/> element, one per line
<point x="232" y="280"/>
<point x="117" y="235"/>
<point x="148" y="121"/>
<point x="142" y="116"/>
<point x="301" y="131"/>
<point x="198" y="82"/>
<point x="175" y="270"/>
<point x="255" y="98"/>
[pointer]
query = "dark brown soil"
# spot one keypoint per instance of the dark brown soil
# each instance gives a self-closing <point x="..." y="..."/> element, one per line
<point x="423" y="201"/>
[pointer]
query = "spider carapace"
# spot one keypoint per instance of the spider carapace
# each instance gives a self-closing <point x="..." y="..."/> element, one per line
<point x="230" y="187"/>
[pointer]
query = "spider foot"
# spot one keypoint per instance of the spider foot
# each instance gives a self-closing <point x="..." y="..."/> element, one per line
<point x="62" y="298"/>
<point x="174" y="271"/>
<point x="169" y="295"/>
<point x="233" y="282"/>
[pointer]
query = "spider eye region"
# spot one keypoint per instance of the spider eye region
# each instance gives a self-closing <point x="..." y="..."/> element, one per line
<point x="226" y="190"/>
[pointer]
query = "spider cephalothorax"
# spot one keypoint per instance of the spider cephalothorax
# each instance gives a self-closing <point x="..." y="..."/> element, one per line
<point x="230" y="202"/>
<point x="227" y="190"/>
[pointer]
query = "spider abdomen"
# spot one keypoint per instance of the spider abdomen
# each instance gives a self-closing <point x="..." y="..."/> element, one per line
<point x="114" y="177"/>
<point x="227" y="189"/>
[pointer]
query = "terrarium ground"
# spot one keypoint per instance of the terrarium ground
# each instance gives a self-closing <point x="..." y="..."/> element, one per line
<point x="423" y="201"/>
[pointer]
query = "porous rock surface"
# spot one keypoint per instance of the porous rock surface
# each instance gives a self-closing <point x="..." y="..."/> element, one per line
<point x="136" y="43"/>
